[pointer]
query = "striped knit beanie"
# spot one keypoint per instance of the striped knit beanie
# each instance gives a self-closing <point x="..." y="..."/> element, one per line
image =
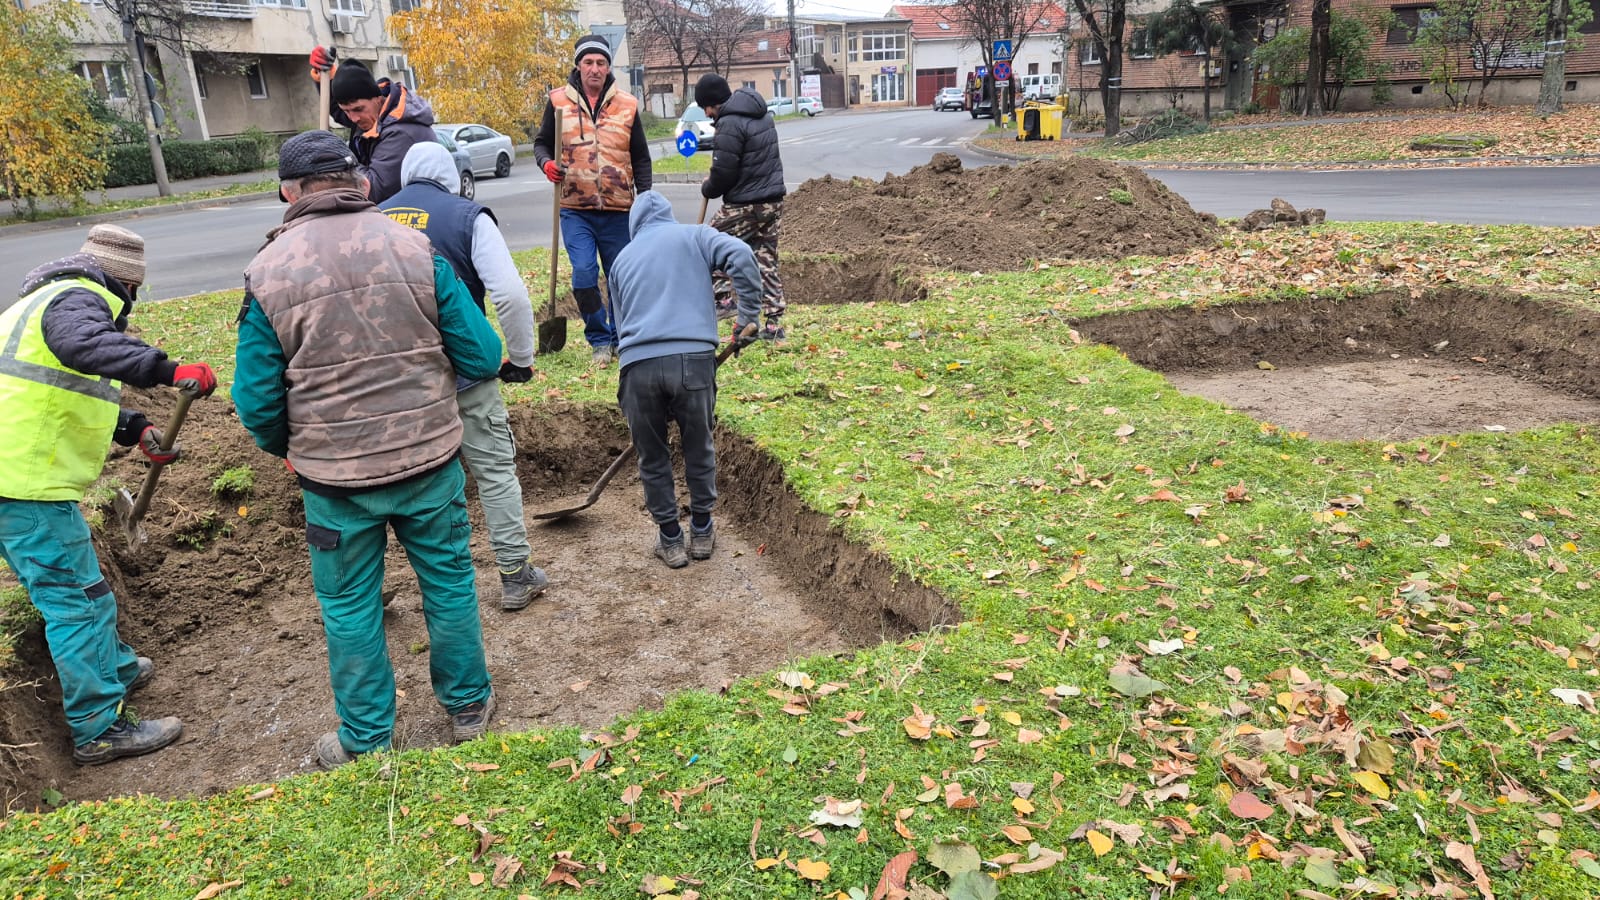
<point x="119" y="252"/>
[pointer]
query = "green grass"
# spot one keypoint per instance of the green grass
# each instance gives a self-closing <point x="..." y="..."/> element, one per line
<point x="974" y="441"/>
<point x="674" y="164"/>
<point x="87" y="207"/>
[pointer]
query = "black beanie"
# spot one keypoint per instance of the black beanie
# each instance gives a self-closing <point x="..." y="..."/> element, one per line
<point x="352" y="82"/>
<point x="711" y="90"/>
<point x="591" y="43"/>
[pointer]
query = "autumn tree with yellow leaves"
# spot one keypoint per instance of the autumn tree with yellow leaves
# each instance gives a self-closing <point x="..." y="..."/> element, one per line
<point x="488" y="61"/>
<point x="50" y="142"/>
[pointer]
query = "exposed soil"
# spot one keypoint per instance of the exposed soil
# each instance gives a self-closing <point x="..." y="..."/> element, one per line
<point x="994" y="217"/>
<point x="1383" y="367"/>
<point x="221" y="600"/>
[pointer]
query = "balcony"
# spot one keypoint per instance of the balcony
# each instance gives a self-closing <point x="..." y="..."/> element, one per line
<point x="221" y="9"/>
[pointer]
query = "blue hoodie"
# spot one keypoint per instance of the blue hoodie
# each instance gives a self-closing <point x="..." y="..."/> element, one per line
<point x="661" y="283"/>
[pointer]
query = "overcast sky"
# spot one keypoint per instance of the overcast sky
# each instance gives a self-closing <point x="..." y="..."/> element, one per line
<point x="835" y="7"/>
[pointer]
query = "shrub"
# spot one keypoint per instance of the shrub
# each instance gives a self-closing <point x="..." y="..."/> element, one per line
<point x="1165" y="124"/>
<point x="130" y="163"/>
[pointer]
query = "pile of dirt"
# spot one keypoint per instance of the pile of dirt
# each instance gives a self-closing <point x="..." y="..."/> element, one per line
<point x="995" y="217"/>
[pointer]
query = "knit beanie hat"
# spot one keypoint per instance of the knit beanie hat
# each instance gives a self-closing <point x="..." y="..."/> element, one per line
<point x="591" y="43"/>
<point x="352" y="82"/>
<point x="119" y="252"/>
<point x="711" y="90"/>
<point x="313" y="153"/>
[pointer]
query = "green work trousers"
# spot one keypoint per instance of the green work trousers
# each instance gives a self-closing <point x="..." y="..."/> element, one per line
<point x="347" y="538"/>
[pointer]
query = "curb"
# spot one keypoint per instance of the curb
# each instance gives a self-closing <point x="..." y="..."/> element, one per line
<point x="1463" y="161"/>
<point x="133" y="213"/>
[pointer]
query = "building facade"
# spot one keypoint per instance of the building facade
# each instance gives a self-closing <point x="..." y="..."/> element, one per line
<point x="944" y="53"/>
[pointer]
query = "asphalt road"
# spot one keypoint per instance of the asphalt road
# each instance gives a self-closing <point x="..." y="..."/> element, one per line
<point x="191" y="251"/>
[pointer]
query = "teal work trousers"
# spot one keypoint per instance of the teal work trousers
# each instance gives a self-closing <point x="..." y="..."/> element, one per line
<point x="46" y="543"/>
<point x="347" y="538"/>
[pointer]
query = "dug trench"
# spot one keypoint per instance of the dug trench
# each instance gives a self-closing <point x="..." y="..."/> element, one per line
<point x="221" y="599"/>
<point x="1385" y="366"/>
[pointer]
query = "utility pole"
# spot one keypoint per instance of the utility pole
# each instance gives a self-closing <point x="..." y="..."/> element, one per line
<point x="135" y="41"/>
<point x="794" y="61"/>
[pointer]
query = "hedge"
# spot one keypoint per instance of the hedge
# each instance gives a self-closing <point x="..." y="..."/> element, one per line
<point x="128" y="164"/>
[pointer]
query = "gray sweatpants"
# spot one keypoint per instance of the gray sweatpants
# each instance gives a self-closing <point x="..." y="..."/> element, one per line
<point x="681" y="388"/>
<point x="490" y="452"/>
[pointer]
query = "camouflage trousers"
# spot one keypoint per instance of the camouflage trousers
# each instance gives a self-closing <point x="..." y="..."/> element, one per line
<point x="756" y="224"/>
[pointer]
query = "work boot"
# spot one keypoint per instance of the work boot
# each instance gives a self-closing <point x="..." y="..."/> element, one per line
<point x="727" y="308"/>
<point x="603" y="356"/>
<point x="472" y="722"/>
<point x="519" y="586"/>
<point x="672" y="552"/>
<point x="772" y="331"/>
<point x="147" y="671"/>
<point x="701" y="543"/>
<point x="330" y="753"/>
<point x="128" y="736"/>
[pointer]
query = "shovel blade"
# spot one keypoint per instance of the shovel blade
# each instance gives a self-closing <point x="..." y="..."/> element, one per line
<point x="132" y="527"/>
<point x="562" y="512"/>
<point x="553" y="334"/>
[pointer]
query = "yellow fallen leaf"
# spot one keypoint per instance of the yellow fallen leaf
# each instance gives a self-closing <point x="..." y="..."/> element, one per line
<point x="1022" y="806"/>
<point x="1017" y="834"/>
<point x="215" y="888"/>
<point x="475" y="878"/>
<point x="765" y="863"/>
<point x="1099" y="843"/>
<point x="1374" y="784"/>
<point x="1012" y="717"/>
<point x="812" y="869"/>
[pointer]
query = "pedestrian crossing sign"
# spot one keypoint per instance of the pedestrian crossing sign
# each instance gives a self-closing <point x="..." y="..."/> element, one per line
<point x="1002" y="51"/>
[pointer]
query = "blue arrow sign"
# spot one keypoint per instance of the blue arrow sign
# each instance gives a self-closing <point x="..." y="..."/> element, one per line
<point x="688" y="143"/>
<point x="1001" y="51"/>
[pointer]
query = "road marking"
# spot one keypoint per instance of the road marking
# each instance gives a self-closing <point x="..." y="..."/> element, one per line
<point x="934" y="143"/>
<point x="909" y="141"/>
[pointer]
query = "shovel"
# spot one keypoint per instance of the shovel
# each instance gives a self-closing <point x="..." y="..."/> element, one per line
<point x="569" y="507"/>
<point x="553" y="330"/>
<point x="130" y="511"/>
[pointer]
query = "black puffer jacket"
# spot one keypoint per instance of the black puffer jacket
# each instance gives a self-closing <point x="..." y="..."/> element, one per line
<point x="745" y="167"/>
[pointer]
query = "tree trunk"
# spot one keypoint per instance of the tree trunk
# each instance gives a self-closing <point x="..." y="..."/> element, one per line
<point x="158" y="162"/>
<point x="1555" y="59"/>
<point x="685" y="70"/>
<point x="1205" y="87"/>
<point x="1115" y="25"/>
<point x="1317" y="61"/>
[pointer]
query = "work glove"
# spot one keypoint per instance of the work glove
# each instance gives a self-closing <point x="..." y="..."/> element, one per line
<point x="511" y="373"/>
<point x="323" y="59"/>
<point x="150" y="444"/>
<point x="197" y="378"/>
<point x="744" y="335"/>
<point x="554" y="171"/>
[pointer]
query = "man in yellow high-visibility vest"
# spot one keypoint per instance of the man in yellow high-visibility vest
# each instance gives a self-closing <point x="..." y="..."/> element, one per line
<point x="62" y="355"/>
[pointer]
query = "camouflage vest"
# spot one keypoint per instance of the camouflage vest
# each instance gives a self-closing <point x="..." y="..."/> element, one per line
<point x="597" y="153"/>
<point x="350" y="294"/>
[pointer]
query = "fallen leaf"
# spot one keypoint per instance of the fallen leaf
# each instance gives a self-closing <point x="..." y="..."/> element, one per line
<point x="1468" y="858"/>
<point x="1017" y="834"/>
<point x="1374" y="784"/>
<point x="918" y="725"/>
<point x="1162" y="648"/>
<point x="764" y="863"/>
<point x="506" y="869"/>
<point x="482" y="767"/>
<point x="1130" y="682"/>
<point x="215" y="888"/>
<point x="655" y="885"/>
<point x="812" y="869"/>
<point x="1099" y="843"/>
<point x="1044" y="860"/>
<point x="475" y="878"/>
<point x="894" y="874"/>
<point x="1246" y="805"/>
<point x="953" y="857"/>
<point x="1574" y="697"/>
<point x="1028" y="736"/>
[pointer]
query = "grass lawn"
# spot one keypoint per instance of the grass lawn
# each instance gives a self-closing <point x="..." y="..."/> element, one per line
<point x="86" y="207"/>
<point x="1203" y="655"/>
<point x="1354" y="138"/>
<point x="674" y="164"/>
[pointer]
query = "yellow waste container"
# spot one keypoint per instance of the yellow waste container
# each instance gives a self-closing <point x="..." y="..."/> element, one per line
<point x="1050" y="116"/>
<point x="1039" y="122"/>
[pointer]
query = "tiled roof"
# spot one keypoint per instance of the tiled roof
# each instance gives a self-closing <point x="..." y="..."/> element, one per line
<point x="935" y="22"/>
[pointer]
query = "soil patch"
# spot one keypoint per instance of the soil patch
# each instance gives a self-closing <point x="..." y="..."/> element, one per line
<point x="1382" y="367"/>
<point x="221" y="599"/>
<point x="995" y="217"/>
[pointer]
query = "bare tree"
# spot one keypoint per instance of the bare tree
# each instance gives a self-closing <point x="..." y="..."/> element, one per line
<point x="724" y="26"/>
<point x="1317" y="59"/>
<point x="1107" y="20"/>
<point x="988" y="21"/>
<point x="666" y="26"/>
<point x="1560" y="20"/>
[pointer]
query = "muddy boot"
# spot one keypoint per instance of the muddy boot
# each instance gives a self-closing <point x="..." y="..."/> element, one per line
<point x="772" y="331"/>
<point x="671" y="552"/>
<point x="473" y="722"/>
<point x="727" y="308"/>
<point x="519" y="586"/>
<point x="330" y="753"/>
<point x="602" y="356"/>
<point x="128" y="736"/>
<point x="147" y="671"/>
<point x="701" y="543"/>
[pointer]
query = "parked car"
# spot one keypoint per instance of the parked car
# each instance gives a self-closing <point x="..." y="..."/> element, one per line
<point x="695" y="119"/>
<point x="1040" y="87"/>
<point x="492" y="152"/>
<point x="950" y="98"/>
<point x="783" y="106"/>
<point x="469" y="183"/>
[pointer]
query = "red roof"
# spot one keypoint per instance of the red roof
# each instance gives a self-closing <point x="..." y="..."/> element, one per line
<point x="926" y="20"/>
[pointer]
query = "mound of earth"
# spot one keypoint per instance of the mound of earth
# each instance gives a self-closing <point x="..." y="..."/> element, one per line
<point x="995" y="217"/>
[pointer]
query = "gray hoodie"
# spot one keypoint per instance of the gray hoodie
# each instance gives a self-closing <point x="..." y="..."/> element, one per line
<point x="661" y="283"/>
<point x="490" y="255"/>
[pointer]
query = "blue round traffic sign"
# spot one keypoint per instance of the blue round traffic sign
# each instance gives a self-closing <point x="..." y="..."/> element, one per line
<point x="1002" y="71"/>
<point x="688" y="143"/>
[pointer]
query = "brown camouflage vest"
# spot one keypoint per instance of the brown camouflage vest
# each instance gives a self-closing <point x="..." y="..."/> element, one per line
<point x="350" y="293"/>
<point x="598" y="155"/>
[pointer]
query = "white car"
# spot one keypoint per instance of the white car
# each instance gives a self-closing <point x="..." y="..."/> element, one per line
<point x="782" y="106"/>
<point x="492" y="152"/>
<point x="695" y="119"/>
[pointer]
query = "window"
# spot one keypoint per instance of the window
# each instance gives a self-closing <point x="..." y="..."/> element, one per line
<point x="1407" y="21"/>
<point x="257" y="81"/>
<point x="291" y="4"/>
<point x="1139" y="44"/>
<point x="200" y="83"/>
<point x="749" y="84"/>
<point x="1033" y="68"/>
<point x="401" y="6"/>
<point x="888" y="88"/>
<point x="835" y="45"/>
<point x="1593" y="25"/>
<point x="348" y="7"/>
<point x="1088" y="53"/>
<point x="109" y="79"/>
<point x="944" y="26"/>
<point x="878" y="44"/>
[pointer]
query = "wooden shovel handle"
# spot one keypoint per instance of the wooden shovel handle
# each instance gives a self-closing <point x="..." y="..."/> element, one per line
<point x="555" y="213"/>
<point x="168" y="439"/>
